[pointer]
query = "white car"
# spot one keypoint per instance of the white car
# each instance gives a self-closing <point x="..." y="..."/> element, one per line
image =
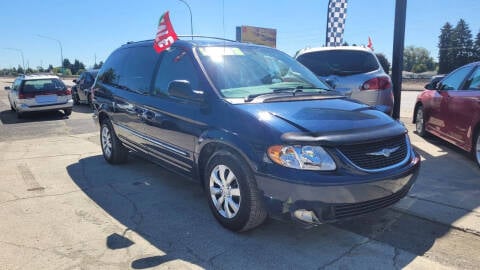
<point x="353" y="71"/>
<point x="33" y="93"/>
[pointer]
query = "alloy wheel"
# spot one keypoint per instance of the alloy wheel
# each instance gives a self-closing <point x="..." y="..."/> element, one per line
<point x="106" y="141"/>
<point x="225" y="191"/>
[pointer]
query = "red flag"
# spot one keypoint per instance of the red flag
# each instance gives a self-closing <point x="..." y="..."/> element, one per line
<point x="370" y="44"/>
<point x="165" y="34"/>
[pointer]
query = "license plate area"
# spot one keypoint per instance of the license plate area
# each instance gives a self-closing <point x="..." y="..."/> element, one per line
<point x="42" y="99"/>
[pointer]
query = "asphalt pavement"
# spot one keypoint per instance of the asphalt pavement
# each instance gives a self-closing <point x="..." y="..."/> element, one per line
<point x="64" y="207"/>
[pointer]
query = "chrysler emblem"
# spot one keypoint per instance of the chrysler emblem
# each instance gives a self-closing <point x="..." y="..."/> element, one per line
<point x="386" y="152"/>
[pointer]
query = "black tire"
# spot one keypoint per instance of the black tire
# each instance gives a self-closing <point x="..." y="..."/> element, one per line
<point x="90" y="101"/>
<point x="67" y="112"/>
<point x="76" y="99"/>
<point x="476" y="147"/>
<point x="117" y="153"/>
<point x="420" y="121"/>
<point x="251" y="211"/>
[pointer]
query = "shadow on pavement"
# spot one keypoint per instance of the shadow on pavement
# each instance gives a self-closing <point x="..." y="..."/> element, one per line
<point x="172" y="214"/>
<point x="82" y="108"/>
<point x="10" y="117"/>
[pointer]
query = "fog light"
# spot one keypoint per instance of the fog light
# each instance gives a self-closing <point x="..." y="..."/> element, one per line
<point x="306" y="216"/>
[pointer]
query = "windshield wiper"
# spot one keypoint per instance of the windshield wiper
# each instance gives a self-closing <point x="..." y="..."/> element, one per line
<point x="292" y="90"/>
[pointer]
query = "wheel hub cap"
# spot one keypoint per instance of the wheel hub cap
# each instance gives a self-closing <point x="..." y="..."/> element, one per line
<point x="225" y="191"/>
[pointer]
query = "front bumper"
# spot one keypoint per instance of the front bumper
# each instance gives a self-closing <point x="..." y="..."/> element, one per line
<point x="331" y="202"/>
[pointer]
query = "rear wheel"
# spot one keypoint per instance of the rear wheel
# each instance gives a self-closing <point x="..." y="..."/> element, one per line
<point x="67" y="112"/>
<point x="76" y="99"/>
<point x="113" y="150"/>
<point x="232" y="192"/>
<point x="420" y="122"/>
<point x="476" y="147"/>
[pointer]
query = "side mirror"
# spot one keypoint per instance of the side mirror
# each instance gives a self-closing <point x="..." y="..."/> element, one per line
<point x="7" y="88"/>
<point x="183" y="89"/>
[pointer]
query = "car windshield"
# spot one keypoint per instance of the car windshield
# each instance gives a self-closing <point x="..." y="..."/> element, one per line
<point x="339" y="62"/>
<point x="40" y="85"/>
<point x="246" y="71"/>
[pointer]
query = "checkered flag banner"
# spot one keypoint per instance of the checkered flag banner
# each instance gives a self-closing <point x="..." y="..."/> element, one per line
<point x="337" y="14"/>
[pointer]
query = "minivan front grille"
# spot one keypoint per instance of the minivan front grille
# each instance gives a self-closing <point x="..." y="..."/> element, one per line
<point x="377" y="155"/>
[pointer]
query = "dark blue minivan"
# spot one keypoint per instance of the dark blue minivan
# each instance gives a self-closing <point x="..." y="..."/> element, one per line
<point x="259" y="131"/>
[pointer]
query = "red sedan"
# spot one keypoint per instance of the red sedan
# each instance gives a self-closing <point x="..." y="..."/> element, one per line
<point x="451" y="109"/>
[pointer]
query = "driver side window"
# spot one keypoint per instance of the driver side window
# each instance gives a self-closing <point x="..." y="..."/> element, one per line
<point x="454" y="80"/>
<point x="473" y="83"/>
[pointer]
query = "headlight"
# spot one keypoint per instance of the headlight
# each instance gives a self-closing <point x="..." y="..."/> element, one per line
<point x="302" y="157"/>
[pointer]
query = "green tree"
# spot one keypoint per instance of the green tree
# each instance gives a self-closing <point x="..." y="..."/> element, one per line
<point x="384" y="62"/>
<point x="463" y="44"/>
<point x="99" y="65"/>
<point x="445" y="49"/>
<point x="476" y="48"/>
<point x="20" y="70"/>
<point x="417" y="59"/>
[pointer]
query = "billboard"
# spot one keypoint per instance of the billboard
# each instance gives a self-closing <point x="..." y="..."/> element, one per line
<point x="257" y="35"/>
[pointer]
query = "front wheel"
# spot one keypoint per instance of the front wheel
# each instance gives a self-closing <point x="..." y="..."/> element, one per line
<point x="76" y="99"/>
<point x="113" y="150"/>
<point x="67" y="112"/>
<point x="476" y="147"/>
<point x="420" y="122"/>
<point x="232" y="192"/>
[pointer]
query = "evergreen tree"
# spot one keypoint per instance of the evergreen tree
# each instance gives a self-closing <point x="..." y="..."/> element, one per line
<point x="464" y="44"/>
<point x="445" y="49"/>
<point x="476" y="48"/>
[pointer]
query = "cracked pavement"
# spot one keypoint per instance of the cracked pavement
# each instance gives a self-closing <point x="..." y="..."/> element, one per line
<point x="64" y="207"/>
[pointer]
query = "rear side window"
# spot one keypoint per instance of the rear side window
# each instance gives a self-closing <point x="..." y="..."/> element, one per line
<point x="138" y="71"/>
<point x="339" y="62"/>
<point x="112" y="70"/>
<point x="32" y="86"/>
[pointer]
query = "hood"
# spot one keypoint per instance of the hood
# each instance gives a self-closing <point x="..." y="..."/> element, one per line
<point x="329" y="121"/>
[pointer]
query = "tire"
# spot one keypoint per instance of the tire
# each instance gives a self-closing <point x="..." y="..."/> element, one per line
<point x="232" y="192"/>
<point x="90" y="101"/>
<point x="20" y="115"/>
<point x="420" y="122"/>
<point x="76" y="99"/>
<point x="113" y="150"/>
<point x="67" y="112"/>
<point x="476" y="147"/>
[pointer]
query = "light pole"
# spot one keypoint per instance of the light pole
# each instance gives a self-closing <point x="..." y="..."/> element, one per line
<point x="21" y="53"/>
<point x="61" y="49"/>
<point x="191" y="20"/>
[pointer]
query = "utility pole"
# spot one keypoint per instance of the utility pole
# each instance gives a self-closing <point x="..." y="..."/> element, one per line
<point x="61" y="49"/>
<point x="397" y="58"/>
<point x="21" y="53"/>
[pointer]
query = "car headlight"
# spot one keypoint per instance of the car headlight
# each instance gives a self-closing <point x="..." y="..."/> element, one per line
<point x="302" y="157"/>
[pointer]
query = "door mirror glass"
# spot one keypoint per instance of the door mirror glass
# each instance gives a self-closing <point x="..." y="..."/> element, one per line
<point x="8" y="88"/>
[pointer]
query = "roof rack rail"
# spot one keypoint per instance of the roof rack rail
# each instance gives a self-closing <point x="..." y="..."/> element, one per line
<point x="185" y="36"/>
<point x="197" y="36"/>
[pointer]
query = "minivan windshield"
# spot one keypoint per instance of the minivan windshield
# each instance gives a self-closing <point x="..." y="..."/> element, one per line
<point x="240" y="72"/>
<point x="339" y="62"/>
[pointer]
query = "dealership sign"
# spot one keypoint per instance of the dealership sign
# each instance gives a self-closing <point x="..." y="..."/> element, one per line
<point x="257" y="35"/>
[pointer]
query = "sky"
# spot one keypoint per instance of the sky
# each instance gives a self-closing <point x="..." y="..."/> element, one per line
<point x="90" y="30"/>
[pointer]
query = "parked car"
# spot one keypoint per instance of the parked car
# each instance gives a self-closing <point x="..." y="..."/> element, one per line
<point x="451" y="111"/>
<point x="34" y="93"/>
<point x="432" y="85"/>
<point x="354" y="71"/>
<point x="82" y="88"/>
<point x="260" y="132"/>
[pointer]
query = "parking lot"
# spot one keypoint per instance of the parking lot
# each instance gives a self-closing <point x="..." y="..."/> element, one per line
<point x="64" y="207"/>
